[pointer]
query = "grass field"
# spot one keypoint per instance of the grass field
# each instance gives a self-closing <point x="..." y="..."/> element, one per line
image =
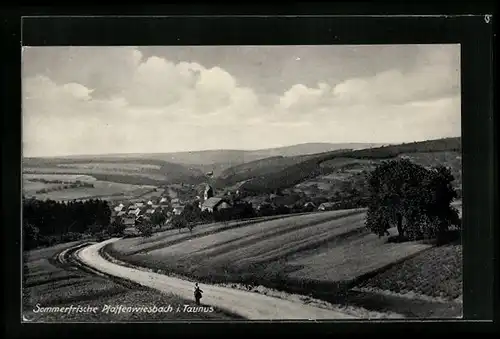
<point x="321" y="254"/>
<point x="231" y="229"/>
<point x="101" y="189"/>
<point x="93" y="172"/>
<point x="436" y="273"/>
<point x="49" y="285"/>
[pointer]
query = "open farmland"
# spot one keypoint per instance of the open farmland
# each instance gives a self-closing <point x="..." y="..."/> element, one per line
<point x="113" y="166"/>
<point x="328" y="255"/>
<point x="95" y="172"/>
<point x="126" y="169"/>
<point x="436" y="273"/>
<point x="34" y="183"/>
<point x="170" y="237"/>
<point x="50" y="284"/>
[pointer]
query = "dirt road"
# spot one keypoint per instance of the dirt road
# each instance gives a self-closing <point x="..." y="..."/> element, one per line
<point x="250" y="305"/>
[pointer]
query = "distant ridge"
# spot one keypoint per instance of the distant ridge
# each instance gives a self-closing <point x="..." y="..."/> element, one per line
<point x="228" y="156"/>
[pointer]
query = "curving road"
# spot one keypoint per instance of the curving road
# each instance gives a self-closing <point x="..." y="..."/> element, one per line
<point x="250" y="305"/>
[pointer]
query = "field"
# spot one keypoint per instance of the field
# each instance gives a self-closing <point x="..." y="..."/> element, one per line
<point x="127" y="169"/>
<point x="436" y="273"/>
<point x="343" y="170"/>
<point x="321" y="254"/>
<point x="49" y="284"/>
<point x="100" y="189"/>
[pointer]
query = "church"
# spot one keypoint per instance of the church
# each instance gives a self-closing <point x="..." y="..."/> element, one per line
<point x="212" y="203"/>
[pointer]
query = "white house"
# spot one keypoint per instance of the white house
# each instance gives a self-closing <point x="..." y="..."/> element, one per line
<point x="178" y="210"/>
<point x="214" y="204"/>
<point x="326" y="206"/>
<point x="135" y="212"/>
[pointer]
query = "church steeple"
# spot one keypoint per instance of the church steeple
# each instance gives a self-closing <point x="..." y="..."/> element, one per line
<point x="208" y="193"/>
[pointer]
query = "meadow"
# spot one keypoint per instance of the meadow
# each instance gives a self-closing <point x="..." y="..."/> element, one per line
<point x="33" y="184"/>
<point x="48" y="283"/>
<point x="325" y="255"/>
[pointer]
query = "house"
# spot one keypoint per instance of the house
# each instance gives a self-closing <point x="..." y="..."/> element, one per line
<point x="175" y="201"/>
<point x="286" y="200"/>
<point x="327" y="206"/>
<point x="215" y="204"/>
<point x="309" y="204"/>
<point x="118" y="208"/>
<point x="149" y="203"/>
<point x="150" y="211"/>
<point x="135" y="212"/>
<point x="139" y="204"/>
<point x="178" y="210"/>
<point x="163" y="200"/>
<point x="265" y="206"/>
<point x="121" y="214"/>
<point x="129" y="222"/>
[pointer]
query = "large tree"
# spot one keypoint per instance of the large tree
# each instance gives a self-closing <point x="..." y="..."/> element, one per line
<point x="412" y="198"/>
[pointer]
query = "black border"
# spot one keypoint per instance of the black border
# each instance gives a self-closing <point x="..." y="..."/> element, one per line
<point x="479" y="163"/>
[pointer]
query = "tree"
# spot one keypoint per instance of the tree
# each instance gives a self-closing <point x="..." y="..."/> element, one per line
<point x="117" y="227"/>
<point x="158" y="218"/>
<point x="179" y="222"/>
<point x="30" y="236"/>
<point x="145" y="228"/>
<point x="412" y="198"/>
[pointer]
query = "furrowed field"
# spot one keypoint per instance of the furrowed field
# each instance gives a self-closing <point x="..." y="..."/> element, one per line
<point x="50" y="284"/>
<point x="63" y="187"/>
<point x="320" y="254"/>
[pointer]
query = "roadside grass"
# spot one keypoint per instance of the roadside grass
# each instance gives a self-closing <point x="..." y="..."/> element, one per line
<point x="47" y="284"/>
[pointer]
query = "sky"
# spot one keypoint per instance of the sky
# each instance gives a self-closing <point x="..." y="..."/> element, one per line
<point x="125" y="99"/>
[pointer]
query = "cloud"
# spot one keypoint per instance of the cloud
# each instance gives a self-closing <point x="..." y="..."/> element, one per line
<point x="117" y="100"/>
<point x="393" y="93"/>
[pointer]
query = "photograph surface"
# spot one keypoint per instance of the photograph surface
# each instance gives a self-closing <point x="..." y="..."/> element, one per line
<point x="169" y="183"/>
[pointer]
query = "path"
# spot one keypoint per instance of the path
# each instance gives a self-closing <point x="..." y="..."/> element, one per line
<point x="250" y="305"/>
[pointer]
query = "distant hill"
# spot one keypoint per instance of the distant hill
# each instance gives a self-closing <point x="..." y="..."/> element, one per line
<point x="312" y="167"/>
<point x="216" y="160"/>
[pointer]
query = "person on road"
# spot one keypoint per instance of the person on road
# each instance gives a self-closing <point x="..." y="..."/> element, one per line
<point x="197" y="294"/>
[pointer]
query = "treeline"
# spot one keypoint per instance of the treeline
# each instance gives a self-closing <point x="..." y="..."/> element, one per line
<point x="65" y="186"/>
<point x="48" y="222"/>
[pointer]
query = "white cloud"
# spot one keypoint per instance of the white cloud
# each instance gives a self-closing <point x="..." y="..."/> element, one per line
<point x="132" y="104"/>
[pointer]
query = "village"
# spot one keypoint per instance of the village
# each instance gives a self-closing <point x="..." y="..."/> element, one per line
<point x="161" y="210"/>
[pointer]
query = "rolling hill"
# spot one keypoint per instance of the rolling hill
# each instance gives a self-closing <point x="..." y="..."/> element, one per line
<point x="266" y="179"/>
<point x="210" y="160"/>
<point x="131" y="170"/>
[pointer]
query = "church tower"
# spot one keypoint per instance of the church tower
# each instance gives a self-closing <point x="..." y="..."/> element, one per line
<point x="209" y="192"/>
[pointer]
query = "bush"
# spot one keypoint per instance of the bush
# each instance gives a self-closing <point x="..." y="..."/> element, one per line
<point x="71" y="236"/>
<point x="116" y="228"/>
<point x="145" y="228"/>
